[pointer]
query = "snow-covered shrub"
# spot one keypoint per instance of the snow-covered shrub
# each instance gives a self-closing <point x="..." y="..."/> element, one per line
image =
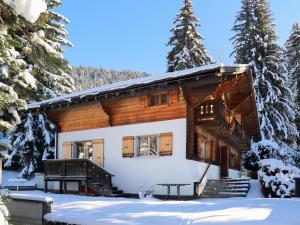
<point x="261" y="150"/>
<point x="277" y="178"/>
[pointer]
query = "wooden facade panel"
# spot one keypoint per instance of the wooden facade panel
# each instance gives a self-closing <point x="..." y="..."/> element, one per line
<point x="137" y="110"/>
<point x="126" y="111"/>
<point x="83" y="117"/>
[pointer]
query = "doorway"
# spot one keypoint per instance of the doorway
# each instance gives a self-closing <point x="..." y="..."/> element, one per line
<point x="224" y="161"/>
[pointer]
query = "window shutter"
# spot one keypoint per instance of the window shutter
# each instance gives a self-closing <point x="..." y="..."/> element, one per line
<point x="67" y="150"/>
<point x="98" y="152"/>
<point x="166" y="144"/>
<point x="128" y="146"/>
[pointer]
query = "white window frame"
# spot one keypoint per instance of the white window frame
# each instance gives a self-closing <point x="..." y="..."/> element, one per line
<point x="137" y="144"/>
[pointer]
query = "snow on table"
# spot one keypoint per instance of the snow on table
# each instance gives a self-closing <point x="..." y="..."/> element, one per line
<point x="10" y="178"/>
<point x="87" y="210"/>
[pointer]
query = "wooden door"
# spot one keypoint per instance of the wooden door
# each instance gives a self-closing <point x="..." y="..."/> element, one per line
<point x="224" y="162"/>
<point x="98" y="152"/>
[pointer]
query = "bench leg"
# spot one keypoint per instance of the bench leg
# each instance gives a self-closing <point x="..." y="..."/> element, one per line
<point x="86" y="188"/>
<point x="60" y="187"/>
<point x="46" y="186"/>
<point x="79" y="184"/>
<point x="65" y="187"/>
<point x="169" y="192"/>
<point x="178" y="191"/>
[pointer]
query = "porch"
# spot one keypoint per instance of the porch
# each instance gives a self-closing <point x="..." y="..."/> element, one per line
<point x="91" y="178"/>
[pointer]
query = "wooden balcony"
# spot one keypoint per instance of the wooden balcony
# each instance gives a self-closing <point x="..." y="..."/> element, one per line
<point x="216" y="119"/>
<point x="76" y="170"/>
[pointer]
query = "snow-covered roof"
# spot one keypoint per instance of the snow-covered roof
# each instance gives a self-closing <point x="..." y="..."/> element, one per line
<point x="140" y="82"/>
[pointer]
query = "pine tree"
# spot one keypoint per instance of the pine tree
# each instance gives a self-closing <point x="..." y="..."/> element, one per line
<point x="32" y="141"/>
<point x="33" y="69"/>
<point x="186" y="43"/>
<point x="293" y="61"/>
<point x="255" y="43"/>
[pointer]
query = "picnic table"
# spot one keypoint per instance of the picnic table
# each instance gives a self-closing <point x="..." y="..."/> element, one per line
<point x="178" y="186"/>
<point x="18" y="181"/>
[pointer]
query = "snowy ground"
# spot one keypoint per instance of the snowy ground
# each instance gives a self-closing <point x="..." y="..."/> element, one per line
<point x="10" y="178"/>
<point x="108" y="211"/>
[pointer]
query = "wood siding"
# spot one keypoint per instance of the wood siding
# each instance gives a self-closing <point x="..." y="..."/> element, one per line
<point x="137" y="110"/>
<point x="85" y="117"/>
<point x="131" y="110"/>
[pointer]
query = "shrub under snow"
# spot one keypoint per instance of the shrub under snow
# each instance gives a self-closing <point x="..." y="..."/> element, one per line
<point x="275" y="166"/>
<point x="277" y="178"/>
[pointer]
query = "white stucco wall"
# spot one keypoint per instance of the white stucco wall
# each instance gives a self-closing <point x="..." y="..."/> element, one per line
<point x="132" y="172"/>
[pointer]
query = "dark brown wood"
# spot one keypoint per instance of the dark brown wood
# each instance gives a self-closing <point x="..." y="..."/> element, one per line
<point x="75" y="170"/>
<point x="216" y="119"/>
<point x="224" y="161"/>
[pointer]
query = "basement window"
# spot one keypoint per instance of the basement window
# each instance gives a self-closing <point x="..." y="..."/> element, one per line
<point x="158" y="99"/>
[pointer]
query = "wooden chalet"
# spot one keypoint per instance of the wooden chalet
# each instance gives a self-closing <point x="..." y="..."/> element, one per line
<point x="159" y="129"/>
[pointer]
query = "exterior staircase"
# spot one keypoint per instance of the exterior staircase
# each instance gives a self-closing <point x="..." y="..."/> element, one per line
<point x="226" y="188"/>
<point x="97" y="189"/>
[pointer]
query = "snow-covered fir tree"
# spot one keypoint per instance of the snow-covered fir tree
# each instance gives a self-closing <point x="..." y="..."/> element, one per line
<point x="292" y="53"/>
<point x="255" y="43"/>
<point x="187" y="50"/>
<point x="31" y="142"/>
<point x="89" y="77"/>
<point x="33" y="69"/>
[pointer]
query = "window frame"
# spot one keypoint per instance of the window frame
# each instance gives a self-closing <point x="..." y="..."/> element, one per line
<point x="160" y="102"/>
<point x="137" y="145"/>
<point x="75" y="149"/>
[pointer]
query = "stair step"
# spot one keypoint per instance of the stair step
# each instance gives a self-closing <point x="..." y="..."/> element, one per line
<point x="226" y="188"/>
<point x="219" y="195"/>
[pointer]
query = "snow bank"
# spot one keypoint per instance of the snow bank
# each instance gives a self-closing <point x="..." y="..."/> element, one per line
<point x="87" y="210"/>
<point x="29" y="197"/>
<point x="29" y="9"/>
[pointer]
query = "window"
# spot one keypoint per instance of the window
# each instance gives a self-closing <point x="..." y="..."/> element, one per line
<point x="147" y="145"/>
<point x="207" y="148"/>
<point x="83" y="150"/>
<point x="158" y="99"/>
<point x="234" y="159"/>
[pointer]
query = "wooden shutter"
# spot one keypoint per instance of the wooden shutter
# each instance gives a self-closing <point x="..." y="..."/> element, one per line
<point x="98" y="152"/>
<point x="67" y="150"/>
<point x="128" y="146"/>
<point x="166" y="144"/>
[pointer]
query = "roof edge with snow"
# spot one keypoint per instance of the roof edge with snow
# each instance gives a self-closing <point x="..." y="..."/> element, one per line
<point x="221" y="68"/>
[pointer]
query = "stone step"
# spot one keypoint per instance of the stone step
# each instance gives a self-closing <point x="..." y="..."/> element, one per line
<point x="227" y="183"/>
<point x="227" y="189"/>
<point x="223" y="195"/>
<point x="230" y="186"/>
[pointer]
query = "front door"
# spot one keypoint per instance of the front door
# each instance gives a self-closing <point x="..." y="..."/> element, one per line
<point x="98" y="152"/>
<point x="224" y="161"/>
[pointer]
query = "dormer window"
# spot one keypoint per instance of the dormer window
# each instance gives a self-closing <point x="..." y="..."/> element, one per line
<point x="158" y="99"/>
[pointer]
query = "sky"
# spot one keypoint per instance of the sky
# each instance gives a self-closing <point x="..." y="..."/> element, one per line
<point x="132" y="34"/>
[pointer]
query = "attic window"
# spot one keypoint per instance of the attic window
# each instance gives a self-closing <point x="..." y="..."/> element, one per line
<point x="158" y="99"/>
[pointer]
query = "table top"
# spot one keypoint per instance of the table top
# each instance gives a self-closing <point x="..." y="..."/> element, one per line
<point x="173" y="184"/>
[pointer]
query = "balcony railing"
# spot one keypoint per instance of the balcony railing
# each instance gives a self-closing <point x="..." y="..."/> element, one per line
<point x="213" y="113"/>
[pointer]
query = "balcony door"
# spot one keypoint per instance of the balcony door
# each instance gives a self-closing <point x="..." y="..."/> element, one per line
<point x="93" y="150"/>
<point x="224" y="161"/>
